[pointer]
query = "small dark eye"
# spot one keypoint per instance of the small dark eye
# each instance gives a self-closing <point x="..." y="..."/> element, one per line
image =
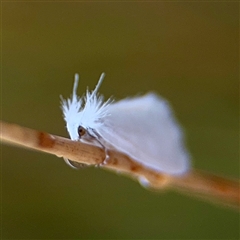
<point x="81" y="131"/>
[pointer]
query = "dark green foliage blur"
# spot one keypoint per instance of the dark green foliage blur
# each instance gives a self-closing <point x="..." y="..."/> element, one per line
<point x="187" y="52"/>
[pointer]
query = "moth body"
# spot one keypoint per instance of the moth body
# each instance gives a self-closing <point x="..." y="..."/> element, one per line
<point x="143" y="128"/>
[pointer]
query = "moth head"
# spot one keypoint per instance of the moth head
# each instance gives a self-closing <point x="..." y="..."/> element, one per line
<point x="87" y="112"/>
<point x="75" y="130"/>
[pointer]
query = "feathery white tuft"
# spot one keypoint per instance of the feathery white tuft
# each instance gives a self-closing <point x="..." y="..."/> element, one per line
<point x="87" y="111"/>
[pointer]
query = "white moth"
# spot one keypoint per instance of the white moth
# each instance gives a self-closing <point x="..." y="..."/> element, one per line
<point x="142" y="127"/>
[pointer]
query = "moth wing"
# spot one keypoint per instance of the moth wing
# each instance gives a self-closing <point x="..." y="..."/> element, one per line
<point x="145" y="129"/>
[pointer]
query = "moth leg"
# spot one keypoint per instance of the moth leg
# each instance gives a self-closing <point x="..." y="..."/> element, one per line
<point x="75" y="165"/>
<point x="97" y="137"/>
<point x="107" y="157"/>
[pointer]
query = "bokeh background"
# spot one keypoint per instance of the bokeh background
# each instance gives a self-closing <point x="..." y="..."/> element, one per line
<point x="188" y="52"/>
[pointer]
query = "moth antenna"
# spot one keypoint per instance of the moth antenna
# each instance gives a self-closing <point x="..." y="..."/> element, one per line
<point x="98" y="84"/>
<point x="75" y="85"/>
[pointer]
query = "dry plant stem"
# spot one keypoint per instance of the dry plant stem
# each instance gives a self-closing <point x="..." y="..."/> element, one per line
<point x="210" y="187"/>
<point x="76" y="151"/>
<point x="202" y="184"/>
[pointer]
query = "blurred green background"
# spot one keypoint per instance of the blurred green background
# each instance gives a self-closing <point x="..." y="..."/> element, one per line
<point x="188" y="52"/>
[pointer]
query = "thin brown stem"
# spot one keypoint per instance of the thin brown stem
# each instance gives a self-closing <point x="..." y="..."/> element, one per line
<point x="210" y="187"/>
<point x="198" y="183"/>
